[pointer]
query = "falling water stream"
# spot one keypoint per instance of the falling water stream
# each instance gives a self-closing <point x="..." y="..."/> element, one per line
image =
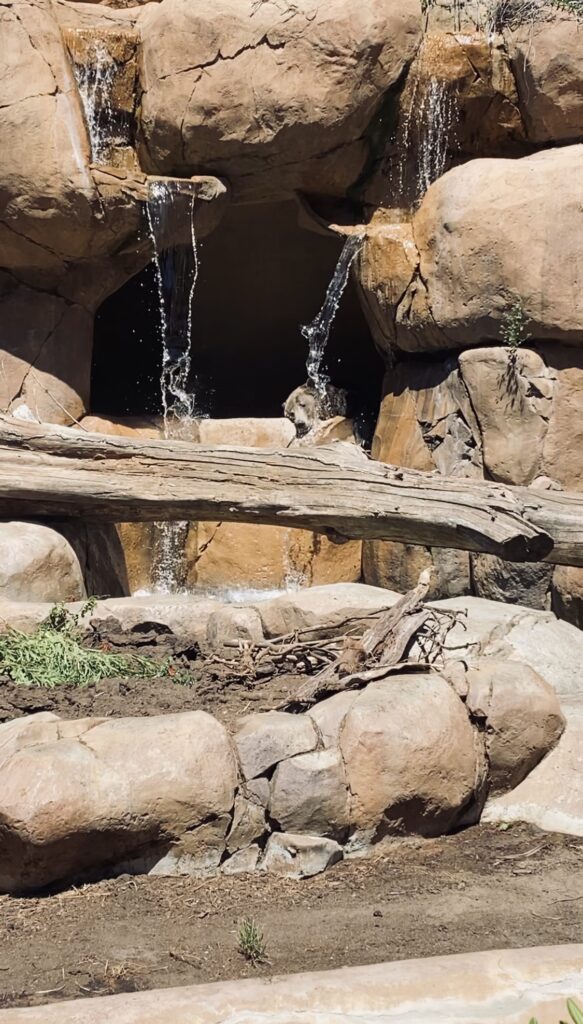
<point x="95" y="79"/>
<point x="176" y="273"/>
<point x="425" y="135"/>
<point x="317" y="331"/>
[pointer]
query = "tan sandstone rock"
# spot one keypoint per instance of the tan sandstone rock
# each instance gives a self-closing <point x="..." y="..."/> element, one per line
<point x="547" y="60"/>
<point x="501" y="220"/>
<point x="521" y="717"/>
<point x="267" y="97"/>
<point x="482" y="413"/>
<point x="413" y="761"/>
<point x="38" y="564"/>
<point x="92" y="794"/>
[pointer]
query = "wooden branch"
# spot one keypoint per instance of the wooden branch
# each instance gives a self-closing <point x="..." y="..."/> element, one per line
<point x="48" y="471"/>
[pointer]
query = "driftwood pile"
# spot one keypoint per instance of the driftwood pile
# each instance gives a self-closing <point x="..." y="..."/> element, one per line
<point x="352" y="659"/>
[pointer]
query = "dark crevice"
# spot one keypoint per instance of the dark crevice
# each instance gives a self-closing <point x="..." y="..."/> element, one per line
<point x="261" y="276"/>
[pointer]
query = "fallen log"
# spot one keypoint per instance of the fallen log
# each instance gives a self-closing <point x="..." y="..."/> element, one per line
<point x="48" y="471"/>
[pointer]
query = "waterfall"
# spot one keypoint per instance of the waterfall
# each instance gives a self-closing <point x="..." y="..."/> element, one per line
<point x="317" y="331"/>
<point x="176" y="273"/>
<point x="424" y="137"/>
<point x="426" y="130"/>
<point x="435" y="119"/>
<point x="95" y="78"/>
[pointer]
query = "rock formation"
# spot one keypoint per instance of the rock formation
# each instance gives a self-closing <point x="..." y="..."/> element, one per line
<point x="175" y="794"/>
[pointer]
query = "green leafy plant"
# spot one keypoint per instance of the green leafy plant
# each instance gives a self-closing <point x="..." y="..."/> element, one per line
<point x="54" y="654"/>
<point x="514" y="324"/>
<point x="575" y="1013"/>
<point x="250" y="941"/>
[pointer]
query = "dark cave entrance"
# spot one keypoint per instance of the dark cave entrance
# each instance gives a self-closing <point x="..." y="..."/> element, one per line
<point x="261" y="276"/>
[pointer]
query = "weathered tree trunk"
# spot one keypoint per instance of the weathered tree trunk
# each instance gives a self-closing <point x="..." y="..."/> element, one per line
<point x="56" y="471"/>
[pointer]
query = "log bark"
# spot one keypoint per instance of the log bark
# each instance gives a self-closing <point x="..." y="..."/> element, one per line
<point x="50" y="471"/>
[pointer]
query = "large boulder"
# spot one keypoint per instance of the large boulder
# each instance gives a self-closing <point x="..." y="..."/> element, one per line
<point x="552" y="648"/>
<point x="274" y="99"/>
<point x="514" y="228"/>
<point x="520" y="715"/>
<point x="38" y="564"/>
<point x="100" y="795"/>
<point x="551" y="797"/>
<point x="414" y="762"/>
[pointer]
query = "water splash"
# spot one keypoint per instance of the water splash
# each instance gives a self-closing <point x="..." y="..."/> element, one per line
<point x="176" y="273"/>
<point x="95" y="79"/>
<point x="317" y="331"/>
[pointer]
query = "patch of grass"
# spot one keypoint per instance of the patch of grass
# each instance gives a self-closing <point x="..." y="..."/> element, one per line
<point x="54" y="655"/>
<point x="250" y="941"/>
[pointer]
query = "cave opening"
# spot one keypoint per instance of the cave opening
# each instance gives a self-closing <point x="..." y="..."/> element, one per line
<point x="261" y="276"/>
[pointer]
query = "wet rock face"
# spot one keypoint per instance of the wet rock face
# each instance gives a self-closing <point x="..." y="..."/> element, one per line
<point x="275" y="97"/>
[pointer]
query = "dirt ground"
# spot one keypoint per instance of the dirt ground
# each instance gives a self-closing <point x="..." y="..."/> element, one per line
<point x="227" y="700"/>
<point x="483" y="888"/>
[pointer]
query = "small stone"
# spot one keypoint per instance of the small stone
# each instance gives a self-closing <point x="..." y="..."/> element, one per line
<point x="241" y="861"/>
<point x="300" y="856"/>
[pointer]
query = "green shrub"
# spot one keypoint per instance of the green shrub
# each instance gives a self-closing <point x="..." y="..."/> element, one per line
<point x="514" y="324"/>
<point x="250" y="941"/>
<point x="54" y="654"/>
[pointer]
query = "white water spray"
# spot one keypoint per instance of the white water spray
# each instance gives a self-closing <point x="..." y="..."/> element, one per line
<point x="176" y="274"/>
<point x="436" y="117"/>
<point x="317" y="331"/>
